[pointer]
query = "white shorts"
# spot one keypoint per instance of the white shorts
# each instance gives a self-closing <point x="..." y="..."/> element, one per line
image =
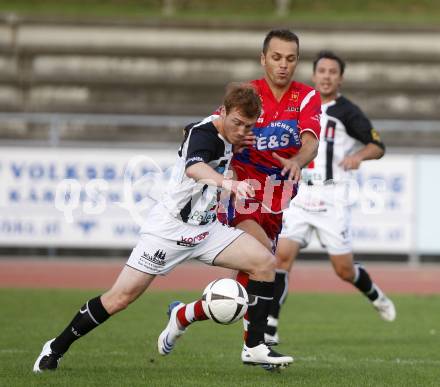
<point x="166" y="242"/>
<point x="330" y="222"/>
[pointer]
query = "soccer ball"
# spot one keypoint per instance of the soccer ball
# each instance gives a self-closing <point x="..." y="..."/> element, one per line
<point x="225" y="301"/>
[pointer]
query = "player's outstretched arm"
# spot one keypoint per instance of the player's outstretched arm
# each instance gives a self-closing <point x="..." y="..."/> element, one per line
<point x="202" y="171"/>
<point x="306" y="154"/>
<point x="370" y="151"/>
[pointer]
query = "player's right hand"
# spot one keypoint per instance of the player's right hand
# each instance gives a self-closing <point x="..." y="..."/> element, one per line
<point x="291" y="167"/>
<point x="241" y="189"/>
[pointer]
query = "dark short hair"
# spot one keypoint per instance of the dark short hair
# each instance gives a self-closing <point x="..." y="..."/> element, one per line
<point x="327" y="54"/>
<point x="243" y="97"/>
<point x="286" y="35"/>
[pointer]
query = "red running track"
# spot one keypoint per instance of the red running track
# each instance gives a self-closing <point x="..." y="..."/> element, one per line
<point x="305" y="277"/>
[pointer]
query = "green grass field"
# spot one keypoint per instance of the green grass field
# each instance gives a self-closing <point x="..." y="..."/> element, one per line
<point x="337" y="340"/>
<point x="398" y="12"/>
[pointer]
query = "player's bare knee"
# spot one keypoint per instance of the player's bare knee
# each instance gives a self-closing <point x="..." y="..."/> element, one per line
<point x="118" y="302"/>
<point x="346" y="273"/>
<point x="265" y="267"/>
<point x="283" y="261"/>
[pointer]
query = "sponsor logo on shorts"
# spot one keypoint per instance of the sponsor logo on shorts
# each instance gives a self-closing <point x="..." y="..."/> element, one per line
<point x="192" y="241"/>
<point x="158" y="258"/>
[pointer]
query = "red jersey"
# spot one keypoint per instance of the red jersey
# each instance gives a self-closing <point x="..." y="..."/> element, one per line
<point x="279" y="127"/>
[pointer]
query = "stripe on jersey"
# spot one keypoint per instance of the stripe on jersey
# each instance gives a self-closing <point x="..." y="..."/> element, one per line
<point x="306" y="99"/>
<point x="244" y="158"/>
<point x="329" y="137"/>
<point x="186" y="211"/>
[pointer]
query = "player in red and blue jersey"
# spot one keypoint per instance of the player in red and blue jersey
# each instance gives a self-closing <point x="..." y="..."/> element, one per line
<point x="286" y="133"/>
<point x="287" y="137"/>
<point x="286" y="140"/>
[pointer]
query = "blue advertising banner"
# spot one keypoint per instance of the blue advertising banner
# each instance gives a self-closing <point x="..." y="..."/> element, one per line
<point x="78" y="197"/>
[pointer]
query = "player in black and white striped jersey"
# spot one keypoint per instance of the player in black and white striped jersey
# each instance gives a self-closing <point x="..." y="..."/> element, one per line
<point x="322" y="203"/>
<point x="202" y="143"/>
<point x="183" y="226"/>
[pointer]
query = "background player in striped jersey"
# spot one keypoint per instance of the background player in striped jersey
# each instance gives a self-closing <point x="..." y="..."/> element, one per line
<point x="183" y="226"/>
<point x="347" y="139"/>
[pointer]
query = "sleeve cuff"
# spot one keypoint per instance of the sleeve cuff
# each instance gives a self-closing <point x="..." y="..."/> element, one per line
<point x="309" y="130"/>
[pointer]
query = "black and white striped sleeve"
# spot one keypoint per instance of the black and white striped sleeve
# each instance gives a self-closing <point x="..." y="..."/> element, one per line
<point x="202" y="146"/>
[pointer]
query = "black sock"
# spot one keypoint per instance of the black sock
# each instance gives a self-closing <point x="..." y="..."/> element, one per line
<point x="279" y="293"/>
<point x="279" y="297"/>
<point x="261" y="295"/>
<point x="91" y="314"/>
<point x="364" y="283"/>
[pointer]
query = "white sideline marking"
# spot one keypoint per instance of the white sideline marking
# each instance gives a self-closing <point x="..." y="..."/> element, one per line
<point x="98" y="353"/>
<point x="13" y="351"/>
<point x="334" y="359"/>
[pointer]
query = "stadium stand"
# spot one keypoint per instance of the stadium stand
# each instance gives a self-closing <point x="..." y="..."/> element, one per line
<point x="147" y="70"/>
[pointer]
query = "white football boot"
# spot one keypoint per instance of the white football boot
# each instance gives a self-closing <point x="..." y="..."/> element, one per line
<point x="167" y="339"/>
<point x="264" y="356"/>
<point x="384" y="306"/>
<point x="47" y="360"/>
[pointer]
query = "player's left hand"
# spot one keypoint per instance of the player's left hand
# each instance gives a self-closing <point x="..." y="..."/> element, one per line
<point x="350" y="162"/>
<point x="248" y="141"/>
<point x="290" y="166"/>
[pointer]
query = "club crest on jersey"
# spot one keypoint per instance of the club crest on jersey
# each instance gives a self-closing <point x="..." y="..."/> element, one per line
<point x="294" y="96"/>
<point x="375" y="136"/>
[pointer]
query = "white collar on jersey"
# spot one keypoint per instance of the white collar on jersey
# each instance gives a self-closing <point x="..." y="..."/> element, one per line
<point x="332" y="102"/>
